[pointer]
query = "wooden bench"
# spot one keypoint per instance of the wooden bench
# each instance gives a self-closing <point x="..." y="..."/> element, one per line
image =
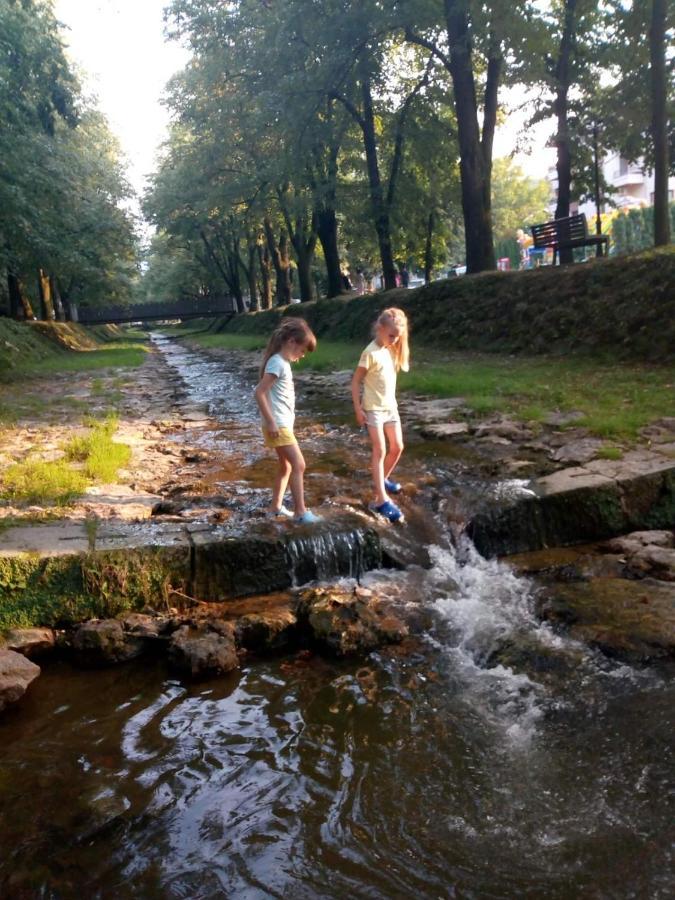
<point x="567" y="233"/>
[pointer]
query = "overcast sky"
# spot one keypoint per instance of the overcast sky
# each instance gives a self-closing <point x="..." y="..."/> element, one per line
<point x="120" y="46"/>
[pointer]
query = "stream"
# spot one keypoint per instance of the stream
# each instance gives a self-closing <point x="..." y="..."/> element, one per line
<point x="431" y="770"/>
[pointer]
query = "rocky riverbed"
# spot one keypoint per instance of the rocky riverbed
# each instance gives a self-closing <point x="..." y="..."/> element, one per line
<point x="198" y="476"/>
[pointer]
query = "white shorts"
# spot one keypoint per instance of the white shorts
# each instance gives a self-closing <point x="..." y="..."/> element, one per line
<point x="376" y="418"/>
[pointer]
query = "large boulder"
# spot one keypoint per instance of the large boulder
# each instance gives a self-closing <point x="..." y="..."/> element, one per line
<point x="104" y="642"/>
<point x="203" y="648"/>
<point x="267" y="631"/>
<point x="31" y="642"/>
<point x="348" y="622"/>
<point x="16" y="674"/>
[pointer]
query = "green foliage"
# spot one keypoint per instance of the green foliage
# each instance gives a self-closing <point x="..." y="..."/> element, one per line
<point x="61" y="183"/>
<point x="634" y="230"/>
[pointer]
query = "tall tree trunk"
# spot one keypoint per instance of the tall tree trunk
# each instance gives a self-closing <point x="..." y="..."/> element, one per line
<point x="657" y="57"/>
<point x="45" y="291"/>
<point x="56" y="298"/>
<point x="303" y="238"/>
<point x="250" y="274"/>
<point x="428" y="249"/>
<point x="327" y="228"/>
<point x="475" y="163"/>
<point x="562" y="138"/>
<point x="378" y="204"/>
<point x="16" y="309"/>
<point x="281" y="262"/>
<point x="265" y="263"/>
<point x="232" y="285"/>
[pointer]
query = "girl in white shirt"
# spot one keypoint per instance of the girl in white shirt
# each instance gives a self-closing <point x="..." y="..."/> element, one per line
<point x="275" y="395"/>
<point x="376" y="374"/>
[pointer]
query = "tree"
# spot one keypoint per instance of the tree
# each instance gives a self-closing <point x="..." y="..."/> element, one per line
<point x="641" y="96"/>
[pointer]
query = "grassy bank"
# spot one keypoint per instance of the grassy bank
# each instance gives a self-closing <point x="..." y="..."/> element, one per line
<point x="622" y="308"/>
<point x="33" y="349"/>
<point x="615" y="398"/>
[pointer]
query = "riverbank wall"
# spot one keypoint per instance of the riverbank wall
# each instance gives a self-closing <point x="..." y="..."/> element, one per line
<point x="622" y="307"/>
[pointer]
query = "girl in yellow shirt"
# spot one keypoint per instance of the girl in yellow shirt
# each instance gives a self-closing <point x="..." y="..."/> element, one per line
<point x="376" y="373"/>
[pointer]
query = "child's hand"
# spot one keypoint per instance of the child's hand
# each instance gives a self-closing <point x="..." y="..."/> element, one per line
<point x="360" y="416"/>
<point x="272" y="428"/>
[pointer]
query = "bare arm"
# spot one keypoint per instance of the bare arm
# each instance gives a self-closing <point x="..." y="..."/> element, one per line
<point x="357" y="381"/>
<point x="263" y="401"/>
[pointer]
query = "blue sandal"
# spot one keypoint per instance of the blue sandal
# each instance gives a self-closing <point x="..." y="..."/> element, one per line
<point x="307" y="518"/>
<point x="394" y="487"/>
<point x="390" y="511"/>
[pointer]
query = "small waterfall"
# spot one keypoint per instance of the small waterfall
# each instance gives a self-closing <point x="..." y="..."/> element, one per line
<point x="331" y="554"/>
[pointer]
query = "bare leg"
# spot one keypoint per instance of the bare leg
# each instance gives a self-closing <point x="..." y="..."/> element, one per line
<point x="377" y="462"/>
<point x="280" y="479"/>
<point x="395" y="439"/>
<point x="292" y="454"/>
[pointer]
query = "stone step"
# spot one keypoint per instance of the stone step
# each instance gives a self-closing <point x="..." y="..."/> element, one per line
<point x="62" y="570"/>
<point x="603" y="499"/>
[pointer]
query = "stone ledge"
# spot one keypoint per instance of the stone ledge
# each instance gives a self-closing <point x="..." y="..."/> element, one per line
<point x="582" y="504"/>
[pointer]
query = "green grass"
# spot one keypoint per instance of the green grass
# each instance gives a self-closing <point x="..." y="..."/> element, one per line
<point x="57" y="482"/>
<point x="99" y="454"/>
<point x="37" y="481"/>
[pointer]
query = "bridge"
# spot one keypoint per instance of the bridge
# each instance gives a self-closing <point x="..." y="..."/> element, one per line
<point x="202" y="307"/>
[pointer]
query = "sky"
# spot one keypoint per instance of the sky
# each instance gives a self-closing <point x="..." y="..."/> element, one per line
<point x="119" y="46"/>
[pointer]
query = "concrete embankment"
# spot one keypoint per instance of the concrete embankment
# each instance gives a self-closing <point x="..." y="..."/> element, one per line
<point x="61" y="574"/>
<point x="599" y="500"/>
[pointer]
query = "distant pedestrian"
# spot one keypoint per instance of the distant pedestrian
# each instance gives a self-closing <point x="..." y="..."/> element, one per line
<point x="376" y="373"/>
<point x="360" y="282"/>
<point x="275" y="396"/>
<point x="405" y="276"/>
<point x="346" y="281"/>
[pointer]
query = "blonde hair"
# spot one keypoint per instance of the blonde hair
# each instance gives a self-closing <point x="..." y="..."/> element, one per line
<point x="399" y="349"/>
<point x="292" y="328"/>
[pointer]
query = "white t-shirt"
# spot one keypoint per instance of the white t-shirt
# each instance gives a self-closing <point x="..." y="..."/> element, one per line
<point x="379" y="383"/>
<point x="282" y="392"/>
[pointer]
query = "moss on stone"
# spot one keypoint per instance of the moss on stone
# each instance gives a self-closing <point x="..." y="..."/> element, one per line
<point x="63" y="590"/>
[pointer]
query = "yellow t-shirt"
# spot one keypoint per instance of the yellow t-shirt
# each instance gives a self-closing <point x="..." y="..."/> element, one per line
<point x="379" y="384"/>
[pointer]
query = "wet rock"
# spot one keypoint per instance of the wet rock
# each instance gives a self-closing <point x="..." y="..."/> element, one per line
<point x="265" y="632"/>
<point x="16" y="674"/>
<point x="31" y="642"/>
<point x="524" y="653"/>
<point x="444" y="430"/>
<point x="659" y="562"/>
<point x="146" y="626"/>
<point x="631" y="543"/>
<point x="505" y="428"/>
<point x="204" y="648"/>
<point x="103" y="642"/>
<point x="348" y="622"/>
<point x="580" y="451"/>
<point x="633" y="620"/>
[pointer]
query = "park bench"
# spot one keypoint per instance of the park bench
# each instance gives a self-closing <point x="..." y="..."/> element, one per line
<point x="567" y="233"/>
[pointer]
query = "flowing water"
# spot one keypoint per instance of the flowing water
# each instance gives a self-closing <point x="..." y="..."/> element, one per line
<point x="434" y="770"/>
